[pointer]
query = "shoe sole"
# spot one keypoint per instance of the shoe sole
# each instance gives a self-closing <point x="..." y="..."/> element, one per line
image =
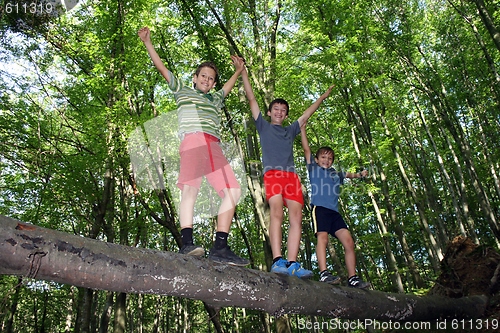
<point x="304" y="277"/>
<point x="334" y="282"/>
<point x="362" y="286"/>
<point x="307" y="277"/>
<point x="225" y="261"/>
<point x="198" y="252"/>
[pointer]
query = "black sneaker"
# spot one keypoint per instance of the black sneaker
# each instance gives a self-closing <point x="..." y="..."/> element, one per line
<point x="226" y="256"/>
<point x="192" y="250"/>
<point x="355" y="282"/>
<point x="327" y="277"/>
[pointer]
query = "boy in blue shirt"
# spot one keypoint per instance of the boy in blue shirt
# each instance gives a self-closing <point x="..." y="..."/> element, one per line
<point x="282" y="184"/>
<point x="325" y="190"/>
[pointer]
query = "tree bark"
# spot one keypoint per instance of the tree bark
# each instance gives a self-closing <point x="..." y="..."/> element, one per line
<point x="488" y="22"/>
<point x="13" y="307"/>
<point x="45" y="254"/>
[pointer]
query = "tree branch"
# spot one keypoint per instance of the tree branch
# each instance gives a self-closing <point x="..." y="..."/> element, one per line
<point x="45" y="254"/>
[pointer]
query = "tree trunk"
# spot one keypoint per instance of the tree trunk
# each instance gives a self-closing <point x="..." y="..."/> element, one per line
<point x="46" y="254"/>
<point x="488" y="22"/>
<point x="84" y="306"/>
<point x="13" y="307"/>
<point x="120" y="313"/>
<point x="390" y="259"/>
<point x="106" y="313"/>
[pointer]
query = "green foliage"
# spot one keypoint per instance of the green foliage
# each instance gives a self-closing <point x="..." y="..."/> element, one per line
<point x="416" y="103"/>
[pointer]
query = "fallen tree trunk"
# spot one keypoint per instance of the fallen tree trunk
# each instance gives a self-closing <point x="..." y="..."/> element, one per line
<point x="45" y="254"/>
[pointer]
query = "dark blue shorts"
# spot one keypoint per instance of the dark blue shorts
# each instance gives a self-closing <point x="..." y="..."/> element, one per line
<point x="327" y="220"/>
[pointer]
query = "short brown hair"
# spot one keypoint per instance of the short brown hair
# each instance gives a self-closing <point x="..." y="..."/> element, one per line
<point x="208" y="64"/>
<point x="327" y="150"/>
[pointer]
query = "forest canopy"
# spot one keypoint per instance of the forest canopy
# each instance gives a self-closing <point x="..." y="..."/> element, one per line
<point x="416" y="102"/>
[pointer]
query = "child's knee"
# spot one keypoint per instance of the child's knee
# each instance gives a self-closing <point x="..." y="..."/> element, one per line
<point x="189" y="191"/>
<point x="233" y="193"/>
<point x="322" y="237"/>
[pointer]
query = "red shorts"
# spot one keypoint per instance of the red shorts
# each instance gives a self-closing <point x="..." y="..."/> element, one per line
<point x="285" y="183"/>
<point x="201" y="155"/>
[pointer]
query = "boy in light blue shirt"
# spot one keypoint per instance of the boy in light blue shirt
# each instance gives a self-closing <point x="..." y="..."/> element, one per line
<point x="325" y="190"/>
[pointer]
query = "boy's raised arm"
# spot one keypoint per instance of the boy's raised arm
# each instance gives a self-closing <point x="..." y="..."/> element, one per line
<point x="254" y="106"/>
<point x="305" y="143"/>
<point x="239" y="64"/>
<point x="310" y="110"/>
<point x="145" y="35"/>
<point x="361" y="174"/>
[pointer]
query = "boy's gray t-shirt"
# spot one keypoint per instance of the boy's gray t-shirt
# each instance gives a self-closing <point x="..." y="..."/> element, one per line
<point x="277" y="144"/>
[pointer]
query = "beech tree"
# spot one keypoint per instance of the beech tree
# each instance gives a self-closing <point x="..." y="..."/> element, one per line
<point x="416" y="102"/>
<point x="39" y="253"/>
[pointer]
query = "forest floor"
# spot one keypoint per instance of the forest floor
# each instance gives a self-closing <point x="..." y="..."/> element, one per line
<point x="469" y="269"/>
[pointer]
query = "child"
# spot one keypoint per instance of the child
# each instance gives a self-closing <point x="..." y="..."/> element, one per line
<point x="282" y="184"/>
<point x="200" y="151"/>
<point x="325" y="189"/>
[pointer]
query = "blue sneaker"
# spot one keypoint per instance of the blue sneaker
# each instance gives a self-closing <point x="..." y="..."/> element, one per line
<point x="296" y="270"/>
<point x="280" y="267"/>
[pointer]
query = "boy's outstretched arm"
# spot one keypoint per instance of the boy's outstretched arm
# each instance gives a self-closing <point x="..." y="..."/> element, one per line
<point x="310" y="110"/>
<point x="239" y="64"/>
<point x="361" y="174"/>
<point x="305" y="143"/>
<point x="254" y="106"/>
<point x="145" y="35"/>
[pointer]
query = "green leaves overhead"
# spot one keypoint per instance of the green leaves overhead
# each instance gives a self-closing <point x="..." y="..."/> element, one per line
<point x="416" y="102"/>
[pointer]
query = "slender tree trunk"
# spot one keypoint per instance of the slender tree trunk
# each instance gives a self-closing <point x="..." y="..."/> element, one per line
<point x="264" y="319"/>
<point x="158" y="315"/>
<point x="488" y="22"/>
<point x="140" y="314"/>
<point x="120" y="318"/>
<point x="69" y="314"/>
<point x="44" y="311"/>
<point x="394" y="275"/>
<point x="444" y="112"/>
<point x="283" y="324"/>
<point x="444" y="174"/>
<point x="84" y="314"/>
<point x="492" y="166"/>
<point x="410" y="261"/>
<point x="214" y="316"/>
<point x="9" y="325"/>
<point x="35" y="314"/>
<point x="106" y="313"/>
